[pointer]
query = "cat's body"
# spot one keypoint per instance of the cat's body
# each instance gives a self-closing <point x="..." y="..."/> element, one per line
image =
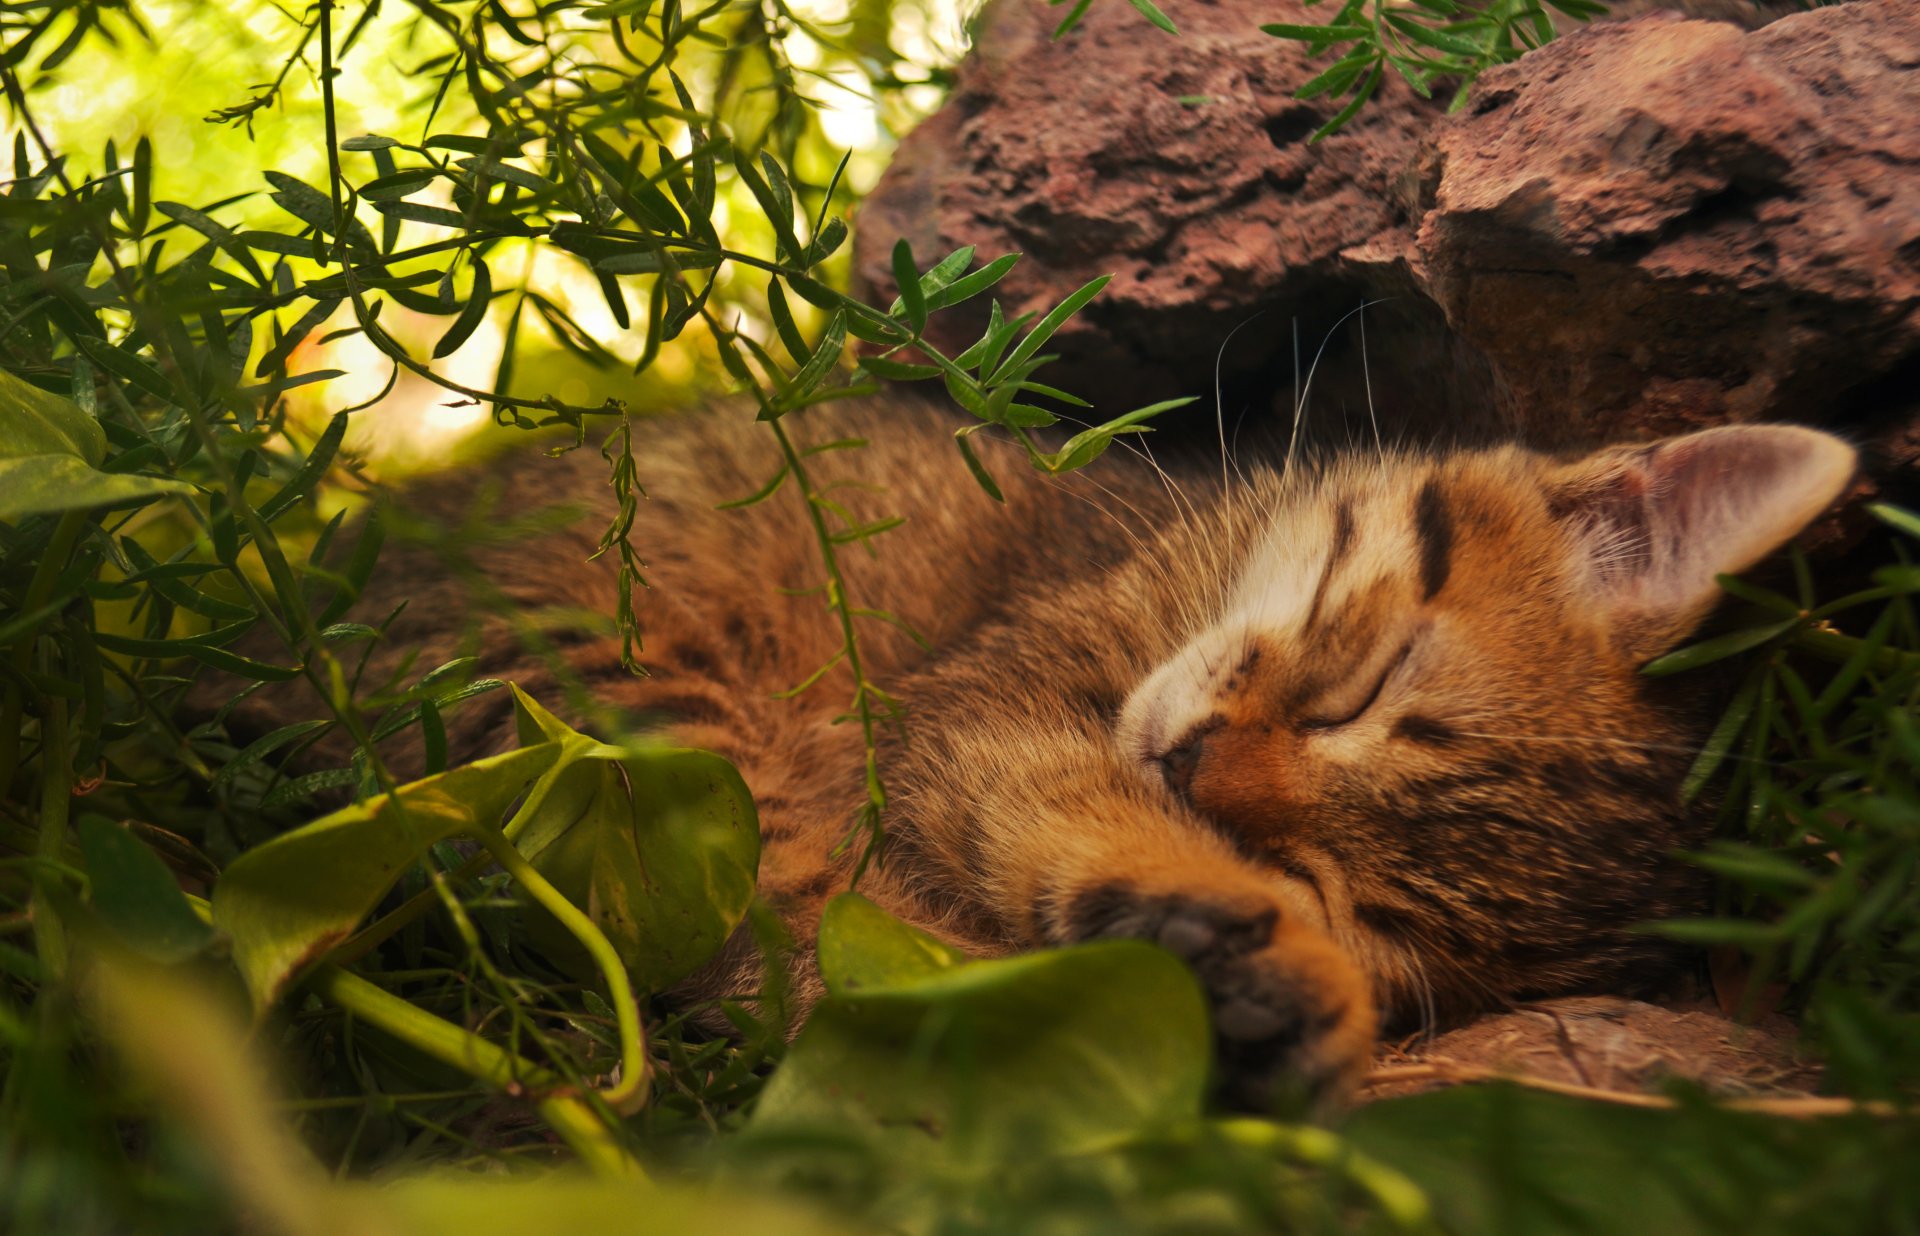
<point x="1363" y="744"/>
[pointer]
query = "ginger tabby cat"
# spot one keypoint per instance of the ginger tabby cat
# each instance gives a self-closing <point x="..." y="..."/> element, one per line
<point x="1365" y="744"/>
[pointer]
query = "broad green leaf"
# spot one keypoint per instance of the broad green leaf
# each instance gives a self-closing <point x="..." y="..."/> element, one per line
<point x="567" y="1203"/>
<point x="1506" y="1159"/>
<point x="135" y="895"/>
<point x="970" y="1063"/>
<point x="37" y="422"/>
<point x="48" y="448"/>
<point x="287" y="903"/>
<point x="659" y="845"/>
<point x="45" y="484"/>
<point x="862" y="947"/>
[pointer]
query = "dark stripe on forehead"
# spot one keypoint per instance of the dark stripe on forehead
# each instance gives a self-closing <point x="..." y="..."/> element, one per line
<point x="1342" y="542"/>
<point x="1434" y="527"/>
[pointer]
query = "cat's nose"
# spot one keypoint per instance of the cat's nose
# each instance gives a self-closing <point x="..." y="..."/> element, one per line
<point x="1178" y="764"/>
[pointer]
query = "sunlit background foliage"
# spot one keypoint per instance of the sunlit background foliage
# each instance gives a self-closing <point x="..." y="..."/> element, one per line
<point x="258" y="258"/>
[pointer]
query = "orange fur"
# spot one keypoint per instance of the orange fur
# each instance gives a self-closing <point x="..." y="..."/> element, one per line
<point x="1363" y="743"/>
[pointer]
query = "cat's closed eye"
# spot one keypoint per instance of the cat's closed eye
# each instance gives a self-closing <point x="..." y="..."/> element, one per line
<point x="1348" y="704"/>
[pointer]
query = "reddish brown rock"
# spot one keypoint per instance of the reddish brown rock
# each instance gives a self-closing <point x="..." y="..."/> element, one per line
<point x="1178" y="165"/>
<point x="1661" y="223"/>
<point x="1606" y="1044"/>
<point x="1647" y="225"/>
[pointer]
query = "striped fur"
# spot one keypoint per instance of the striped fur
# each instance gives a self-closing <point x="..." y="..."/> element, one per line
<point x="1366" y="744"/>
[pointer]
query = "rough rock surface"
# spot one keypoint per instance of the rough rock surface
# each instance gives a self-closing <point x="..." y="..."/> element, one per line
<point x="1605" y="1043"/>
<point x="1179" y="165"/>
<point x="1660" y="223"/>
<point x="1650" y="224"/>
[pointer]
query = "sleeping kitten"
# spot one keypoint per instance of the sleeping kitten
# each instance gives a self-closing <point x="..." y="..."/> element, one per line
<point x="1363" y="744"/>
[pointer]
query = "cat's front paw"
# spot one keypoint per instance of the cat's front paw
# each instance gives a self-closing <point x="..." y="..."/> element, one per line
<point x="1291" y="1011"/>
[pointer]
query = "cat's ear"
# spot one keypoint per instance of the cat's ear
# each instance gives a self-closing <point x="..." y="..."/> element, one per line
<point x="1654" y="524"/>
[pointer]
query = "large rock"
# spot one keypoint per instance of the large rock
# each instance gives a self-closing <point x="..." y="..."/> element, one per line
<point x="1647" y="225"/>
<point x="1662" y="223"/>
<point x="1180" y="166"/>
<point x="1605" y="1044"/>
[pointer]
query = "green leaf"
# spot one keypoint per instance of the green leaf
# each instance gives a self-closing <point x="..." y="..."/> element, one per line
<point x="1896" y="517"/>
<point x="38" y="422"/>
<point x="46" y="484"/>
<point x="944" y="271"/>
<point x="1072" y="18"/>
<point x="1719" y="744"/>
<point x="863" y="947"/>
<point x="48" y="446"/>
<point x="970" y="1063"/>
<point x="1420" y="32"/>
<point x="757" y="496"/>
<point x="398" y="185"/>
<point x="1147" y="10"/>
<point x="1352" y="109"/>
<point x="974" y="464"/>
<point x="659" y="845"/>
<point x="289" y="902"/>
<point x="826" y="244"/>
<point x="1089" y="444"/>
<point x="968" y="286"/>
<point x="136" y="896"/>
<point x="1056" y="318"/>
<point x="1506" y="1159"/>
<point x="779" y="212"/>
<point x="1316" y="34"/>
<point x="127" y="366"/>
<point x="260" y="748"/>
<point x="833" y="341"/>
<point x="789" y="330"/>
<point x="652" y="261"/>
<point x="472" y="315"/>
<point x="912" y="303"/>
<point x="311" y="470"/>
<point x="308" y="322"/>
<point x="1718" y="648"/>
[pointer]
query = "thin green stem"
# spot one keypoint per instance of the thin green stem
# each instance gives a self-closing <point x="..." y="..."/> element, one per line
<point x="850" y="646"/>
<point x="1833" y="646"/>
<point x="565" y="1111"/>
<point x="56" y="797"/>
<point x="46" y="573"/>
<point x="630" y="1092"/>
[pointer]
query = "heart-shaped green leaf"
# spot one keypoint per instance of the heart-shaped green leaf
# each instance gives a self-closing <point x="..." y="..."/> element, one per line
<point x="973" y="1062"/>
<point x="863" y="948"/>
<point x="49" y="449"/>
<point x="289" y="902"/>
<point x="660" y="845"/>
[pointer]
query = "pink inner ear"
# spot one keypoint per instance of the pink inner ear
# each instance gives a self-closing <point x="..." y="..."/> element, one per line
<point x="1660" y="522"/>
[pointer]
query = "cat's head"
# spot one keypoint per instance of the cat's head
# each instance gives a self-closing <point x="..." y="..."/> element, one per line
<point x="1421" y="706"/>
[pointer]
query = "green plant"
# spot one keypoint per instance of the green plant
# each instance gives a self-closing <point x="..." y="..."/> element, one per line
<point x="1814" y="765"/>
<point x="457" y="971"/>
